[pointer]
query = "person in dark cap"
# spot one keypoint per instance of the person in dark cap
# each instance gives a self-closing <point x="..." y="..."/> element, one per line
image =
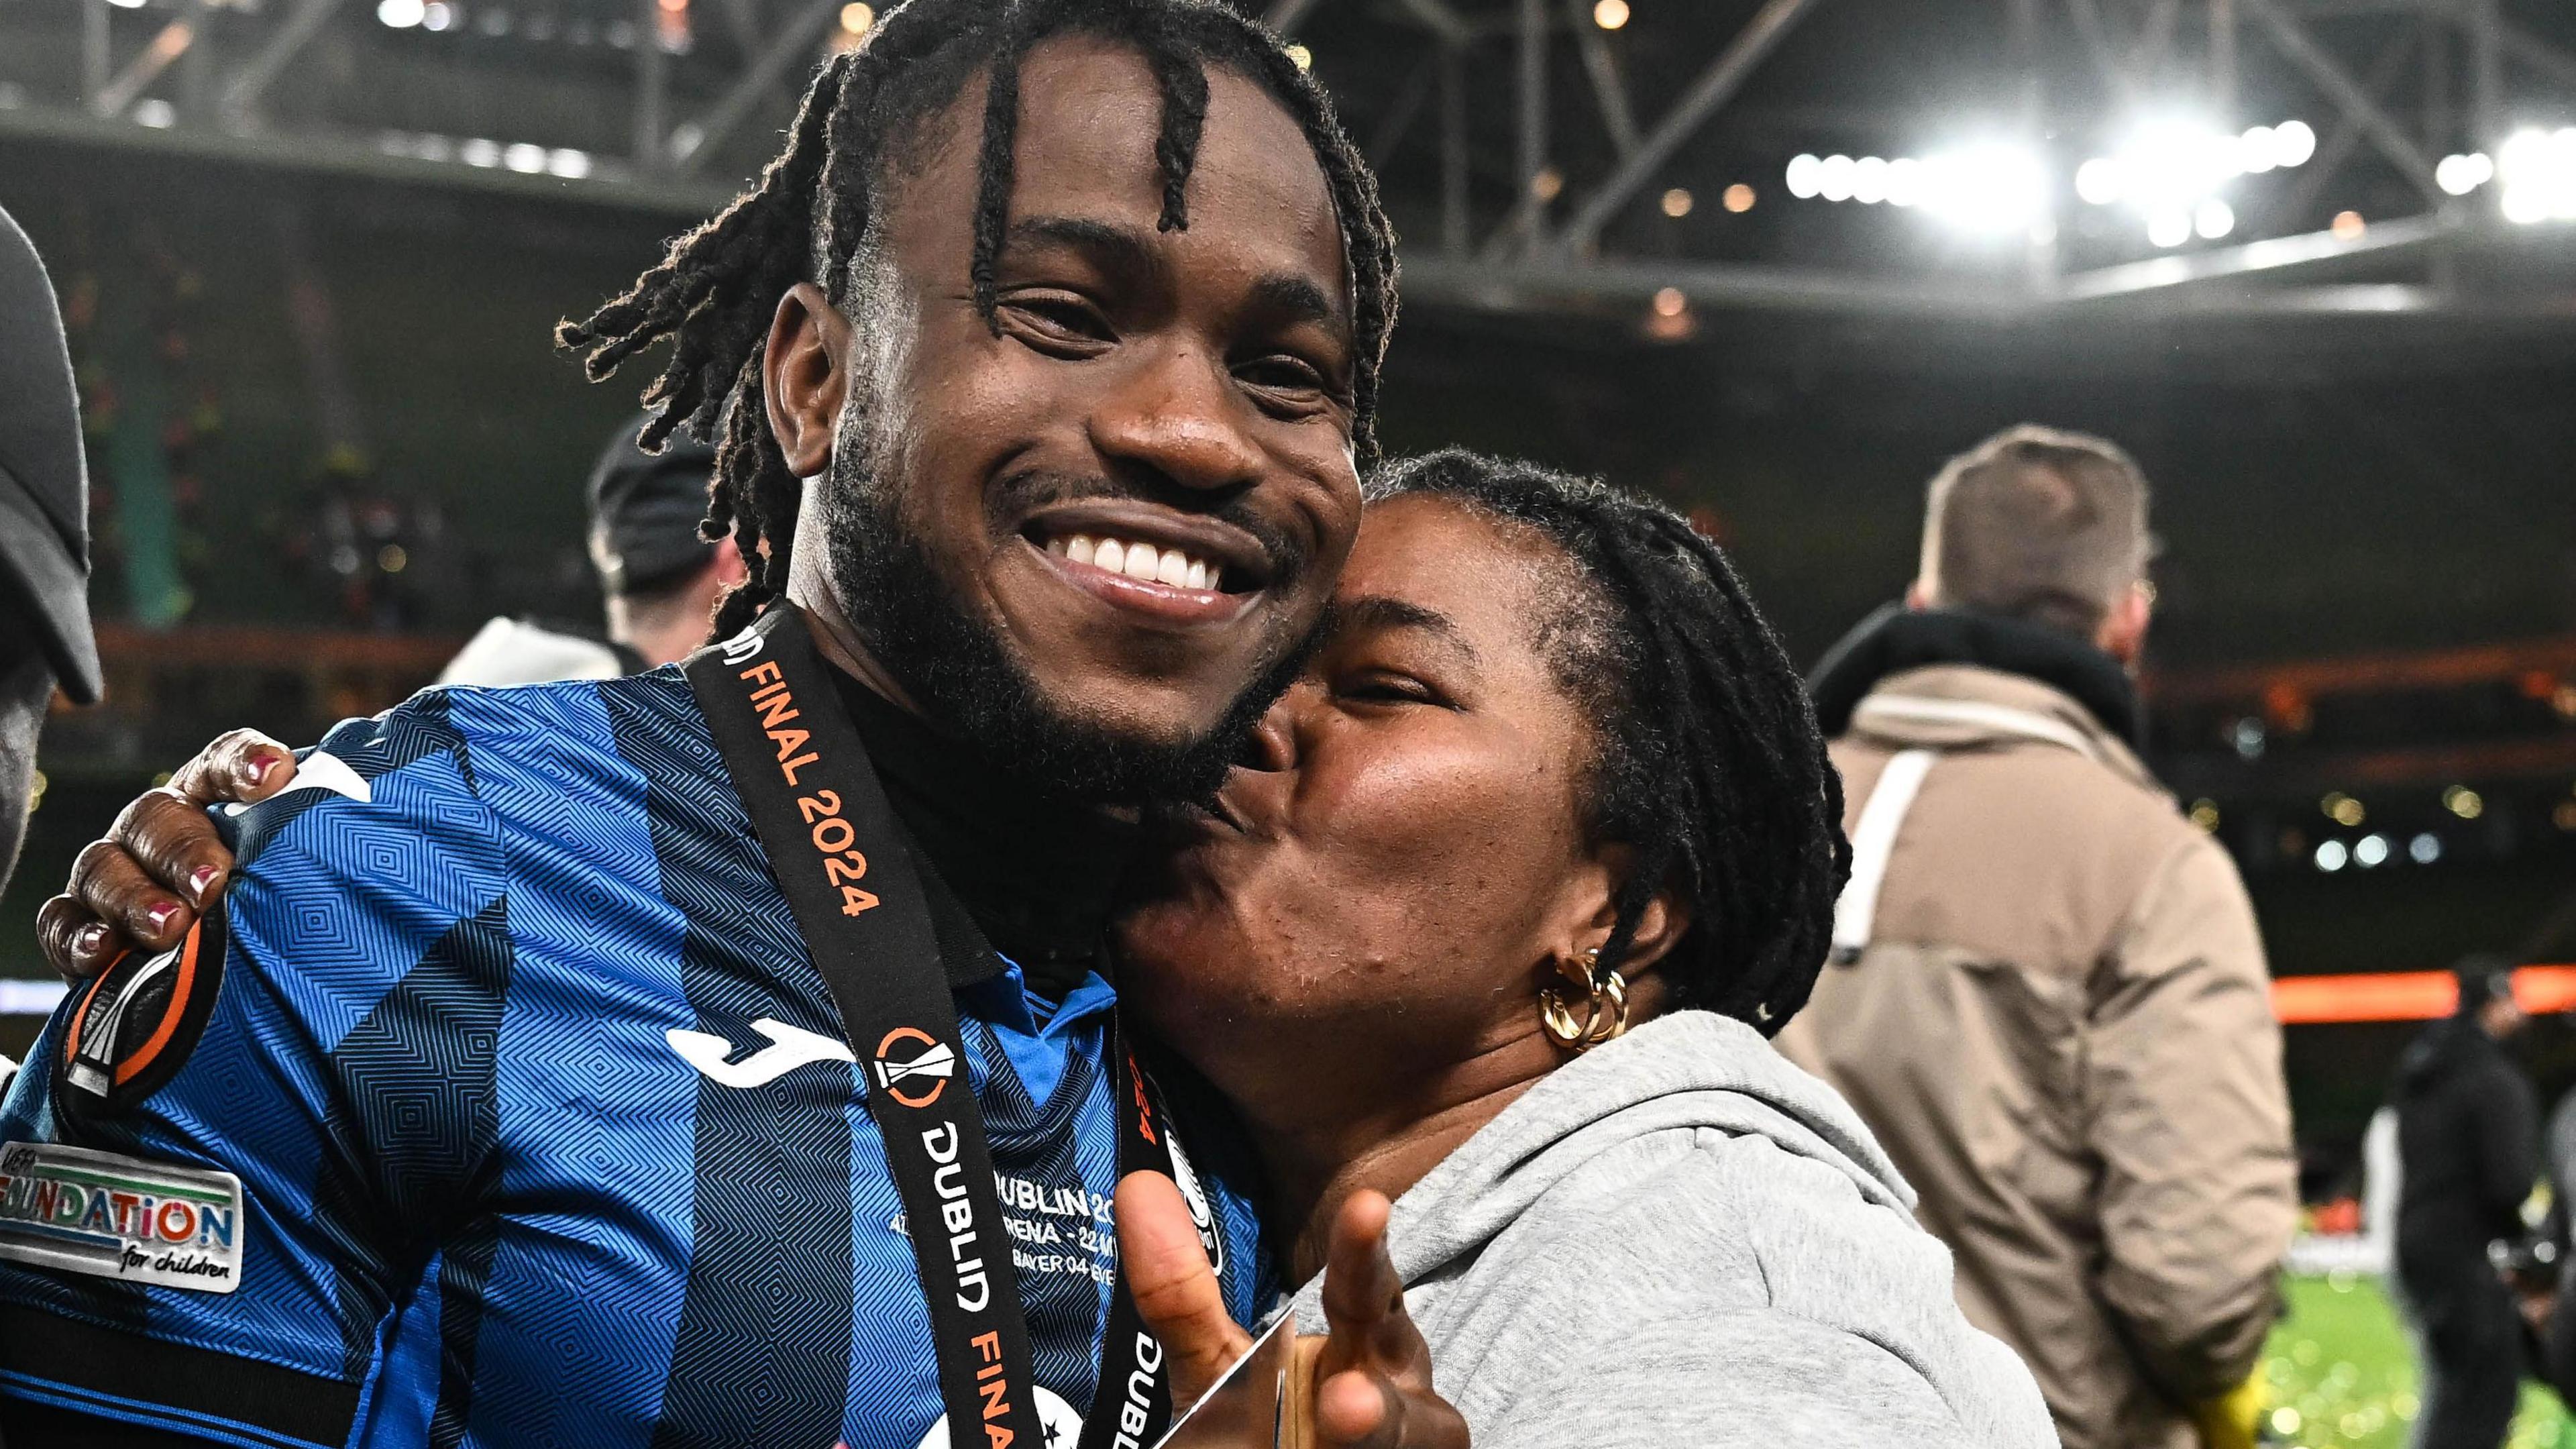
<point x="45" y="640"/>
<point x="2467" y="1144"/>
<point x="660" y="577"/>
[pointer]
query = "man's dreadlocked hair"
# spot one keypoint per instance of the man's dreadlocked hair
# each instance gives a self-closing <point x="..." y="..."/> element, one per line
<point x="718" y="288"/>
<point x="1706" y="756"/>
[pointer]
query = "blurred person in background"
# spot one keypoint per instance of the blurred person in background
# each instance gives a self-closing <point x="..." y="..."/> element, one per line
<point x="2050" y="999"/>
<point x="662" y="579"/>
<point x="45" y="640"/>
<point x="2467" y="1145"/>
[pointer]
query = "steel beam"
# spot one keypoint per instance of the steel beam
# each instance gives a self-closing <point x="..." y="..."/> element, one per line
<point x="2039" y="253"/>
<point x="2155" y="37"/>
<point x="2222" y="57"/>
<point x="1722" y="78"/>
<point x="1285" y="14"/>
<point x="2530" y="50"/>
<point x="1609" y="92"/>
<point x="2273" y="257"/>
<point x="652" y="79"/>
<point x="2106" y="55"/>
<point x="196" y="63"/>
<point x="1440" y="20"/>
<point x="250" y="82"/>
<point x="1530" y="157"/>
<point x="94" y="51"/>
<point x="2338" y="145"/>
<point x="146" y="67"/>
<point x="2348" y="96"/>
<point x="797" y="37"/>
<point x="1453" y="150"/>
<point x="1406" y="108"/>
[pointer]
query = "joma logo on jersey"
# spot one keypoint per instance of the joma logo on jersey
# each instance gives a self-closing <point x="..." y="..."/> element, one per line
<point x="908" y="1059"/>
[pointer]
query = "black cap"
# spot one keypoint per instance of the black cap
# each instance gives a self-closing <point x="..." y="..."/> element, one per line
<point x="2483" y="978"/>
<point x="645" y="509"/>
<point x="44" y="479"/>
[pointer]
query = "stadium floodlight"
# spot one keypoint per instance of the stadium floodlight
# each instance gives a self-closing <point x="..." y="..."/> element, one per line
<point x="524" y="157"/>
<point x="1834" y="178"/>
<point x="1869" y="180"/>
<point x="2099" y="181"/>
<point x="2460" y="175"/>
<point x="401" y="14"/>
<point x="1991" y="189"/>
<point x="2332" y="855"/>
<point x="1904" y="182"/>
<point x="2169" y="227"/>
<point x="2293" y="142"/>
<point x="1806" y="178"/>
<point x="2538" y="172"/>
<point x="2213" y="219"/>
<point x="2256" y="149"/>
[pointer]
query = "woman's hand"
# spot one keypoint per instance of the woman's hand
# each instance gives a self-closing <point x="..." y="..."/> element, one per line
<point x="1372" y="1370"/>
<point x="142" y="887"/>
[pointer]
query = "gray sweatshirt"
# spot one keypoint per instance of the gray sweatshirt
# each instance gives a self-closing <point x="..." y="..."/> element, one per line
<point x="1679" y="1239"/>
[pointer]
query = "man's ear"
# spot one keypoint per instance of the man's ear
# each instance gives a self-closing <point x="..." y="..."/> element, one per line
<point x="2123" y="634"/>
<point x="803" y="378"/>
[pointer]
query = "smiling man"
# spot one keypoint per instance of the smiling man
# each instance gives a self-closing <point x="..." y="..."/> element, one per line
<point x="716" y="1056"/>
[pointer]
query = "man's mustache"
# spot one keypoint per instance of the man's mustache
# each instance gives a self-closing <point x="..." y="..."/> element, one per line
<point x="1018" y="495"/>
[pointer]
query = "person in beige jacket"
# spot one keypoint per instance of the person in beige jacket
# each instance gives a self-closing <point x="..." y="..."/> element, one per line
<point x="2048" y="997"/>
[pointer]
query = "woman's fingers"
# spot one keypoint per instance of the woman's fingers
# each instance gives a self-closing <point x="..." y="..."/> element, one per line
<point x="79" y="945"/>
<point x="161" y="863"/>
<point x="242" y="766"/>
<point x="168" y="836"/>
<point x="1363" y="1296"/>
<point x="114" y="887"/>
<point x="1175" y="1288"/>
<point x="1374" y="1376"/>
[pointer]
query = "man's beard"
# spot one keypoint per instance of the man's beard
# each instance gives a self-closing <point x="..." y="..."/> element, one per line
<point x="963" y="675"/>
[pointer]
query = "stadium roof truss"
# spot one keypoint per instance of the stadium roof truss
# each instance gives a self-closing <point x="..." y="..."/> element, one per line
<point x="1528" y="146"/>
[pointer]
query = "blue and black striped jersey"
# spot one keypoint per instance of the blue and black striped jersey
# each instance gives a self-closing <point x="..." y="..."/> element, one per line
<point x="542" y="1126"/>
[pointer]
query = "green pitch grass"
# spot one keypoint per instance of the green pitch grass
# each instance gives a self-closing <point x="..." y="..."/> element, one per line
<point x="2342" y="1375"/>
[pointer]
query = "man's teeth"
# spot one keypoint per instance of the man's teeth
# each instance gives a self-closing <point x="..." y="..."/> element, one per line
<point x="1139" y="561"/>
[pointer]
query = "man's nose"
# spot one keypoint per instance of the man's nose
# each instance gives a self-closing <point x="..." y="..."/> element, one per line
<point x="1180" y="419"/>
<point x="1272" y="748"/>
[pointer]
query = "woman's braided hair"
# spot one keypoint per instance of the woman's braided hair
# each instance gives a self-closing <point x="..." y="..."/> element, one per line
<point x="717" y="289"/>
<point x="1706" y="756"/>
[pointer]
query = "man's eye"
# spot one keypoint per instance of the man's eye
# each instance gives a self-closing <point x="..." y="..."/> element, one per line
<point x="1058" y="317"/>
<point x="1281" y="375"/>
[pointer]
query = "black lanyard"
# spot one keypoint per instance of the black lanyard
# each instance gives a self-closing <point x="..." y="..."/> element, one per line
<point x="839" y="855"/>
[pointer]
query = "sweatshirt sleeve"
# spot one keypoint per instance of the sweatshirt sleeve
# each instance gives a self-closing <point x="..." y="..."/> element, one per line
<point x="1759" y="1377"/>
<point x="2190" y="1118"/>
<point x="1702" y="1287"/>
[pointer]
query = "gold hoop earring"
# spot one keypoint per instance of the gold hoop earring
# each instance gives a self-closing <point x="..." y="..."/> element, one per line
<point x="1605" y="1006"/>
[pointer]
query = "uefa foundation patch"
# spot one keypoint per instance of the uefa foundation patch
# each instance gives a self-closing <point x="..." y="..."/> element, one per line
<point x="120" y="1217"/>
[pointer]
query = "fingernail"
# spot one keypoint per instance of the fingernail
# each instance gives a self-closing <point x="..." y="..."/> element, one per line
<point x="254" y="770"/>
<point x="199" y="879"/>
<point x="161" y="915"/>
<point x="89" y="940"/>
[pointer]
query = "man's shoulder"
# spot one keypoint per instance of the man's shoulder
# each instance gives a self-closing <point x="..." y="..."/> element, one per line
<point x="455" y="761"/>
